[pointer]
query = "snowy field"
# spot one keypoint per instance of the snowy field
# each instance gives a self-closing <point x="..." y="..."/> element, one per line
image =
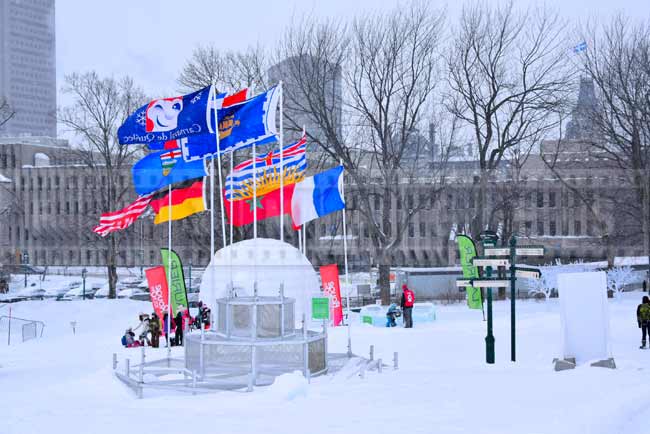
<point x="63" y="383"/>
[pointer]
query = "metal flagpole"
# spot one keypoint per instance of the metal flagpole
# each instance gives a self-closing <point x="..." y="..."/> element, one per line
<point x="232" y="164"/>
<point x="304" y="240"/>
<point x="216" y="138"/>
<point x="254" y="191"/>
<point x="345" y="259"/>
<point x="281" y="164"/>
<point x="169" y="270"/>
<point x="300" y="240"/>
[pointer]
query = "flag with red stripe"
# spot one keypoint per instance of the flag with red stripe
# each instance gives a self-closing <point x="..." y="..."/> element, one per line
<point x="122" y="219"/>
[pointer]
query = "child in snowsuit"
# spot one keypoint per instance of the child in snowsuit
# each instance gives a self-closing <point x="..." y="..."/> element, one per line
<point x="643" y="318"/>
<point x="393" y="312"/>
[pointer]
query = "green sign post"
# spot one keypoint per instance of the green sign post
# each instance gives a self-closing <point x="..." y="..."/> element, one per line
<point x="320" y="308"/>
<point x="489" y="239"/>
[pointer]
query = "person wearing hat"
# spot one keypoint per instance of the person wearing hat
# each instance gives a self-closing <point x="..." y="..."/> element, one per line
<point x="407" y="302"/>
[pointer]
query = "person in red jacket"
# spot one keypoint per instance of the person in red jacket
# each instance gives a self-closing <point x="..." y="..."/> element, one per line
<point x="408" y="299"/>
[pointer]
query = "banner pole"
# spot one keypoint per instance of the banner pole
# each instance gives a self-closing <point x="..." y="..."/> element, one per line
<point x="254" y="191"/>
<point x="169" y="270"/>
<point x="345" y="259"/>
<point x="300" y="240"/>
<point x="281" y="163"/>
<point x="216" y="139"/>
<point x="304" y="240"/>
<point x="232" y="164"/>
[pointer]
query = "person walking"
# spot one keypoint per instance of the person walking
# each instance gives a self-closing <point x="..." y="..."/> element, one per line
<point x="408" y="299"/>
<point x="643" y="318"/>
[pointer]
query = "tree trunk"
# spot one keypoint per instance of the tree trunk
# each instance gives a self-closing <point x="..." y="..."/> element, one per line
<point x="112" y="268"/>
<point x="384" y="278"/>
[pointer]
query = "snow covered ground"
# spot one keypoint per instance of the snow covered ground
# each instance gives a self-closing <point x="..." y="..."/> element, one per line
<point x="63" y="382"/>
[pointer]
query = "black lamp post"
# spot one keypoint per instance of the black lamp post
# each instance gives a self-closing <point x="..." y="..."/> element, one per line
<point x="83" y="277"/>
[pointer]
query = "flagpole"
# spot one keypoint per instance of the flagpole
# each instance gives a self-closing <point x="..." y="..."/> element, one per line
<point x="254" y="191"/>
<point x="232" y="156"/>
<point x="216" y="138"/>
<point x="345" y="259"/>
<point x="169" y="270"/>
<point x="281" y="164"/>
<point x="300" y="240"/>
<point x="304" y="241"/>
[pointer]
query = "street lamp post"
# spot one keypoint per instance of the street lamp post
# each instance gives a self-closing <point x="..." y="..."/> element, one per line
<point x="489" y="239"/>
<point x="83" y="278"/>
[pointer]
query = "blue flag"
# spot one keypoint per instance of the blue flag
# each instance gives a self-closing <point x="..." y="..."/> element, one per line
<point x="240" y="125"/>
<point x="580" y="47"/>
<point x="162" y="168"/>
<point x="169" y="119"/>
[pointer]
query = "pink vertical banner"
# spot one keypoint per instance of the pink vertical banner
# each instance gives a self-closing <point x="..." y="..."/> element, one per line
<point x="329" y="275"/>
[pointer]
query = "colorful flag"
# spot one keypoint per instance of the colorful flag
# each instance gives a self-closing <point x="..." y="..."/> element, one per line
<point x="167" y="119"/>
<point x="185" y="201"/>
<point x="267" y="206"/>
<point x="317" y="196"/>
<point x="177" y="281"/>
<point x="157" y="281"/>
<point x="467" y="253"/>
<point x="122" y="219"/>
<point x="329" y="276"/>
<point x="239" y="184"/>
<point x="580" y="47"/>
<point x="162" y="168"/>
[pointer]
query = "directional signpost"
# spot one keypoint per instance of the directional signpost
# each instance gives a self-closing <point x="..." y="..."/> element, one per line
<point x="493" y="258"/>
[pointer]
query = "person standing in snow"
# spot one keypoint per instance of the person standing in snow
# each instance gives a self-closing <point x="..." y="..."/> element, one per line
<point x="166" y="327"/>
<point x="154" y="327"/>
<point x="643" y="318"/>
<point x="408" y="299"/>
<point x="180" y="325"/>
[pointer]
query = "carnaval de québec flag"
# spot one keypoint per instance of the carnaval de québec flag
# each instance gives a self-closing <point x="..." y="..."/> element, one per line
<point x="317" y="196"/>
<point x="167" y="119"/>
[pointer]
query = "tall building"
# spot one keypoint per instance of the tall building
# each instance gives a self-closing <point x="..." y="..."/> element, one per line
<point x="324" y="82"/>
<point x="28" y="66"/>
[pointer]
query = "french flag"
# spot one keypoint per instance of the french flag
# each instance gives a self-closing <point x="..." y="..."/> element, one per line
<point x="317" y="196"/>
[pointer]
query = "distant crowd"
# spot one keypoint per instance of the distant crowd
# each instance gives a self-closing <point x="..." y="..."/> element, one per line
<point x="152" y="327"/>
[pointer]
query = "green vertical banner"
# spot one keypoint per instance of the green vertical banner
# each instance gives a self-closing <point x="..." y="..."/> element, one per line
<point x="467" y="253"/>
<point x="176" y="284"/>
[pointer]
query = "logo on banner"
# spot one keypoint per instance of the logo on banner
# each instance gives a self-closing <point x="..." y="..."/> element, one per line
<point x="162" y="114"/>
<point x="168" y="160"/>
<point x="158" y="298"/>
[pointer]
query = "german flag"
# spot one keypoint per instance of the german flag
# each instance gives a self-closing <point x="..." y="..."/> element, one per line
<point x="186" y="200"/>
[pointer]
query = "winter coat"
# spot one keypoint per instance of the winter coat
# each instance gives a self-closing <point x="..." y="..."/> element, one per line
<point x="408" y="299"/>
<point x="643" y="313"/>
<point x="154" y="326"/>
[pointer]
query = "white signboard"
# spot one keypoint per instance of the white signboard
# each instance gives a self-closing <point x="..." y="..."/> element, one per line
<point x="530" y="251"/>
<point x="490" y="262"/>
<point x="496" y="251"/>
<point x="585" y="315"/>
<point x="490" y="283"/>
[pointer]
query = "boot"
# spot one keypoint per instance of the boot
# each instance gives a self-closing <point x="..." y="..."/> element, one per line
<point x="642" y="347"/>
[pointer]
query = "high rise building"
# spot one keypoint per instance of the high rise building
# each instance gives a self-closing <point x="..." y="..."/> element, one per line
<point x="28" y="66"/>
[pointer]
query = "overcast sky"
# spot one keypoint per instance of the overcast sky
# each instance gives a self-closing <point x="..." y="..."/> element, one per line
<point x="151" y="40"/>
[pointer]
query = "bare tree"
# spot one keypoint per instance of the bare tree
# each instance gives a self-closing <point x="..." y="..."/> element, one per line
<point x="97" y="109"/>
<point x="229" y="71"/>
<point x="386" y="66"/>
<point x="507" y="72"/>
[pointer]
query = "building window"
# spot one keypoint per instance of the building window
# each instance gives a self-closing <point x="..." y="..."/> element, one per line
<point x="565" y="228"/>
<point x="67" y="208"/>
<point x="540" y="199"/>
<point x="409" y="201"/>
<point x="565" y="199"/>
<point x="399" y="201"/>
<point x="540" y="228"/>
<point x="450" y="201"/>
<point x="377" y="202"/>
<point x="551" y="199"/>
<point x="423" y="230"/>
<point x="529" y="227"/>
<point x="590" y="228"/>
<point x="577" y="227"/>
<point x="552" y="228"/>
<point x="411" y="230"/>
<point x="528" y="199"/>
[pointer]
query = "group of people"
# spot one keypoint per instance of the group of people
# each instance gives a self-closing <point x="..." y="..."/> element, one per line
<point x="406" y="309"/>
<point x="152" y="327"/>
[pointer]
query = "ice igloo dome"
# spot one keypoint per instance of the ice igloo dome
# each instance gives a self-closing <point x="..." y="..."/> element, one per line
<point x="267" y="261"/>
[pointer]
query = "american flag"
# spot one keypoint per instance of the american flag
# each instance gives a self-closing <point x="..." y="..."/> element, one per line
<point x="267" y="169"/>
<point x="122" y="219"/>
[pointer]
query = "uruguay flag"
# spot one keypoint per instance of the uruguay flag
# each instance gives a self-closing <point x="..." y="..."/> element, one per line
<point x="317" y="196"/>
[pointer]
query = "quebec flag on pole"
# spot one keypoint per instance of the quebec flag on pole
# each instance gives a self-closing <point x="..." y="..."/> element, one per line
<point x="168" y="119"/>
<point x="317" y="196"/>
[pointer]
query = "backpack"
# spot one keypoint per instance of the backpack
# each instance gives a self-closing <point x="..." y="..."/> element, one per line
<point x="644" y="312"/>
<point x="124" y="341"/>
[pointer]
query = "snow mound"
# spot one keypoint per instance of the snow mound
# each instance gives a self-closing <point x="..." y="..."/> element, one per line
<point x="288" y="387"/>
<point x="268" y="262"/>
